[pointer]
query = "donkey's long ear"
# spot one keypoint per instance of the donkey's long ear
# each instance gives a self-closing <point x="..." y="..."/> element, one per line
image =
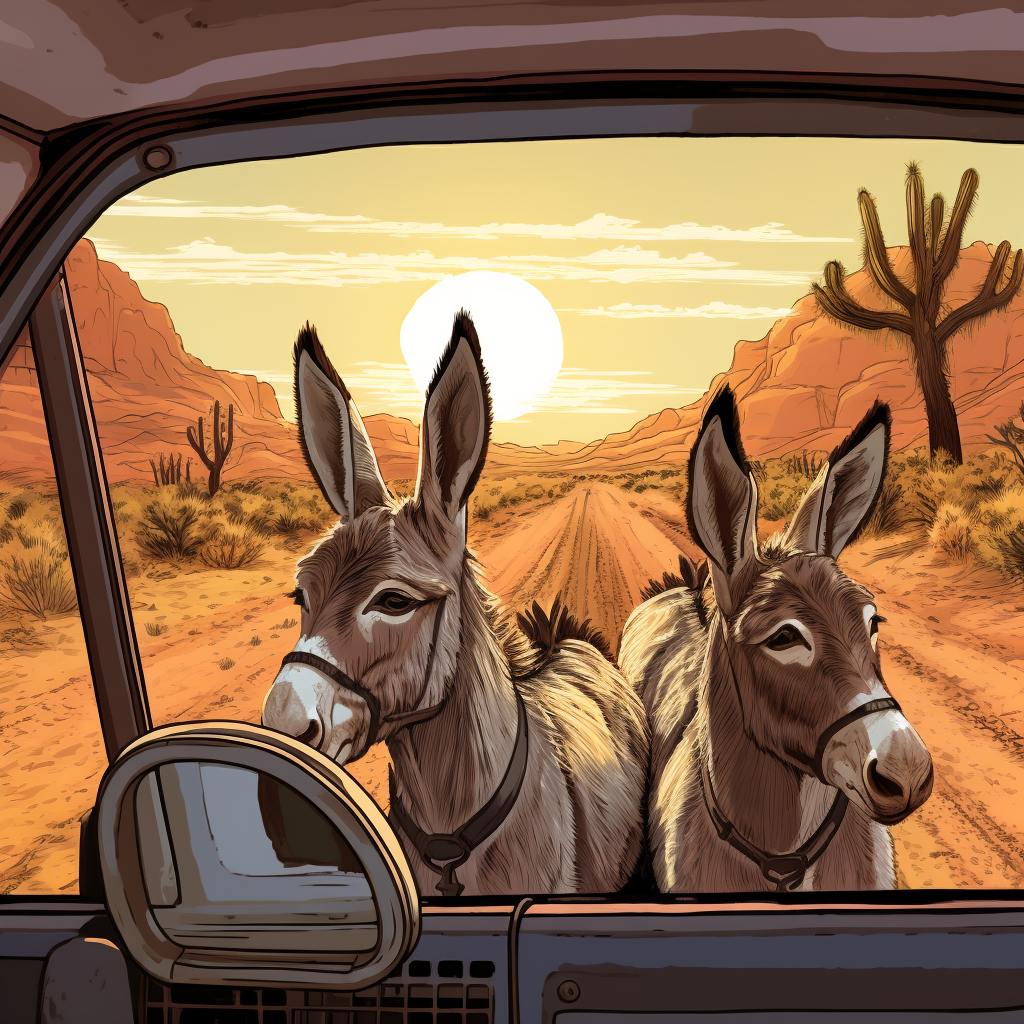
<point x="333" y="438"/>
<point x="722" y="506"/>
<point x="843" y="495"/>
<point x="456" y="426"/>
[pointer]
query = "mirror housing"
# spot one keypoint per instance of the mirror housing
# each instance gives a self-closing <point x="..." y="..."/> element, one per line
<point x="234" y="855"/>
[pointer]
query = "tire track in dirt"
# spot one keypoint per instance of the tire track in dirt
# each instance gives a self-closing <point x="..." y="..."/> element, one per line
<point x="591" y="547"/>
<point x="951" y="658"/>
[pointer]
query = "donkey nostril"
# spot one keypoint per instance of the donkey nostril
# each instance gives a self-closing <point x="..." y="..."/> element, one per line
<point x="882" y="784"/>
<point x="311" y="735"/>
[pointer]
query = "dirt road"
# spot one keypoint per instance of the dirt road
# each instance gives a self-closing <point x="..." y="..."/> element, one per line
<point x="598" y="546"/>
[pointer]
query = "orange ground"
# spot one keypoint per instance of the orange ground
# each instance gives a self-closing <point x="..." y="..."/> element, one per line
<point x="954" y="657"/>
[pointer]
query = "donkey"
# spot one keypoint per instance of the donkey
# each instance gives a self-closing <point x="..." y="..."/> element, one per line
<point x="525" y="772"/>
<point x="778" y="756"/>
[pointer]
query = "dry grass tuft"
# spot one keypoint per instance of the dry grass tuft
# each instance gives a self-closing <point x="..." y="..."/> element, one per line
<point x="952" y="533"/>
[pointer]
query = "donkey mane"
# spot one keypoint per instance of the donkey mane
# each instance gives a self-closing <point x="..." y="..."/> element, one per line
<point x="692" y="576"/>
<point x="547" y="630"/>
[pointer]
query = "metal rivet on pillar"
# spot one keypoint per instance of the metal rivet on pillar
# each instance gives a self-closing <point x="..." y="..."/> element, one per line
<point x="157" y="158"/>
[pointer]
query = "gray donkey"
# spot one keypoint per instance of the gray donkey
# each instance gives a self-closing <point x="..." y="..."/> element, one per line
<point x="778" y="756"/>
<point x="522" y="770"/>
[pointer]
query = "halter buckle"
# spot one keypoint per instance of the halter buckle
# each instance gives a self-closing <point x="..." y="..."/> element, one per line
<point x="445" y="847"/>
<point x="785" y="870"/>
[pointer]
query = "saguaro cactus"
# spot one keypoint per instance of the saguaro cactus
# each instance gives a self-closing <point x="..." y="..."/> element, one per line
<point x="914" y="311"/>
<point x="223" y="435"/>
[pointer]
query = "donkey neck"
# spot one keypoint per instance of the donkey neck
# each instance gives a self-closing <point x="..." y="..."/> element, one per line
<point x="758" y="793"/>
<point x="449" y="766"/>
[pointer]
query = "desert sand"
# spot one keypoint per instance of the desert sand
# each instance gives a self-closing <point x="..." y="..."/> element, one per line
<point x="952" y="656"/>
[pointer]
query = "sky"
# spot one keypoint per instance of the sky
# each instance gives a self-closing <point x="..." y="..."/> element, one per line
<point x="658" y="255"/>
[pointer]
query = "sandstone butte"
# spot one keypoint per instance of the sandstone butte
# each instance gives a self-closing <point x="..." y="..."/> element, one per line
<point x="802" y="386"/>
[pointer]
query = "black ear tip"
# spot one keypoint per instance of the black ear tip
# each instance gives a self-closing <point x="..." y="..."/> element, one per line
<point x="724" y="407"/>
<point x="308" y="341"/>
<point x="463" y="327"/>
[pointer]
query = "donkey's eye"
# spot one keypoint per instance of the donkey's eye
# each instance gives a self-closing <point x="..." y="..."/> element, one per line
<point x="786" y="637"/>
<point x="393" y="602"/>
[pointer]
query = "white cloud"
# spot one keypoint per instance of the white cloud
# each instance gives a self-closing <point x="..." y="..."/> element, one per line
<point x="599" y="226"/>
<point x="378" y="385"/>
<point x="204" y="261"/>
<point x="580" y="391"/>
<point x="389" y="387"/>
<point x="628" y="311"/>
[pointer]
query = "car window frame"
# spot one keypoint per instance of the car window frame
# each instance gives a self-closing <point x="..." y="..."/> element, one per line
<point x="91" y="165"/>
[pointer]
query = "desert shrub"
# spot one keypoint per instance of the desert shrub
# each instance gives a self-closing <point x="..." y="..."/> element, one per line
<point x="952" y="533"/>
<point x="225" y="663"/>
<point x="1000" y="533"/>
<point x="156" y="628"/>
<point x="889" y="513"/>
<point x="189" y="489"/>
<point x="290" y="523"/>
<point x="1007" y="552"/>
<point x="170" y="531"/>
<point x="255" y="641"/>
<point x="16" y="509"/>
<point x="247" y="487"/>
<point x="1011" y="438"/>
<point x="232" y="548"/>
<point x="41" y="583"/>
<point x="482" y="512"/>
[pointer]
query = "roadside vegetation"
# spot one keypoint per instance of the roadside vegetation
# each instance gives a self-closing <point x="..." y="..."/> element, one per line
<point x="971" y="514"/>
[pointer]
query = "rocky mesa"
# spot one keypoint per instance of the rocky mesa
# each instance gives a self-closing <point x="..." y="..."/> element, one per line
<point x="802" y="386"/>
<point x="807" y="382"/>
<point x="146" y="388"/>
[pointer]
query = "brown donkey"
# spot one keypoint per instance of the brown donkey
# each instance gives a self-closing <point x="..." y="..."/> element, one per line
<point x="524" y="773"/>
<point x="778" y="756"/>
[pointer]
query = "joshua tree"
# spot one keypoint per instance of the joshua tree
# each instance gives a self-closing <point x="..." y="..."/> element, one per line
<point x="914" y="311"/>
<point x="223" y="435"/>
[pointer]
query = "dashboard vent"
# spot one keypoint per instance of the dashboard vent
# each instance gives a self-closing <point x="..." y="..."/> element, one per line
<point x="421" y="992"/>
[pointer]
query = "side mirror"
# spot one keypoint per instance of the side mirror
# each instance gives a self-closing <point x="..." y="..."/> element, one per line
<point x="233" y="855"/>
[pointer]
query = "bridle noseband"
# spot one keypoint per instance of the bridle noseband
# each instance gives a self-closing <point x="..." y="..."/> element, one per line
<point x="344" y="681"/>
<point x="787" y="870"/>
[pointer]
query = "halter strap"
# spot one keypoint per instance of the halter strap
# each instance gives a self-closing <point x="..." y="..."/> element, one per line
<point x="443" y="852"/>
<point x="346" y="682"/>
<point x="786" y="870"/>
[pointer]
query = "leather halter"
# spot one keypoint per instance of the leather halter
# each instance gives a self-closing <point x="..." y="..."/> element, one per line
<point x="443" y="852"/>
<point x="787" y="870"/>
<point x="346" y="682"/>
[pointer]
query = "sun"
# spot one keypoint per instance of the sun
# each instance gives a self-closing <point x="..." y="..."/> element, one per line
<point x="520" y="336"/>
